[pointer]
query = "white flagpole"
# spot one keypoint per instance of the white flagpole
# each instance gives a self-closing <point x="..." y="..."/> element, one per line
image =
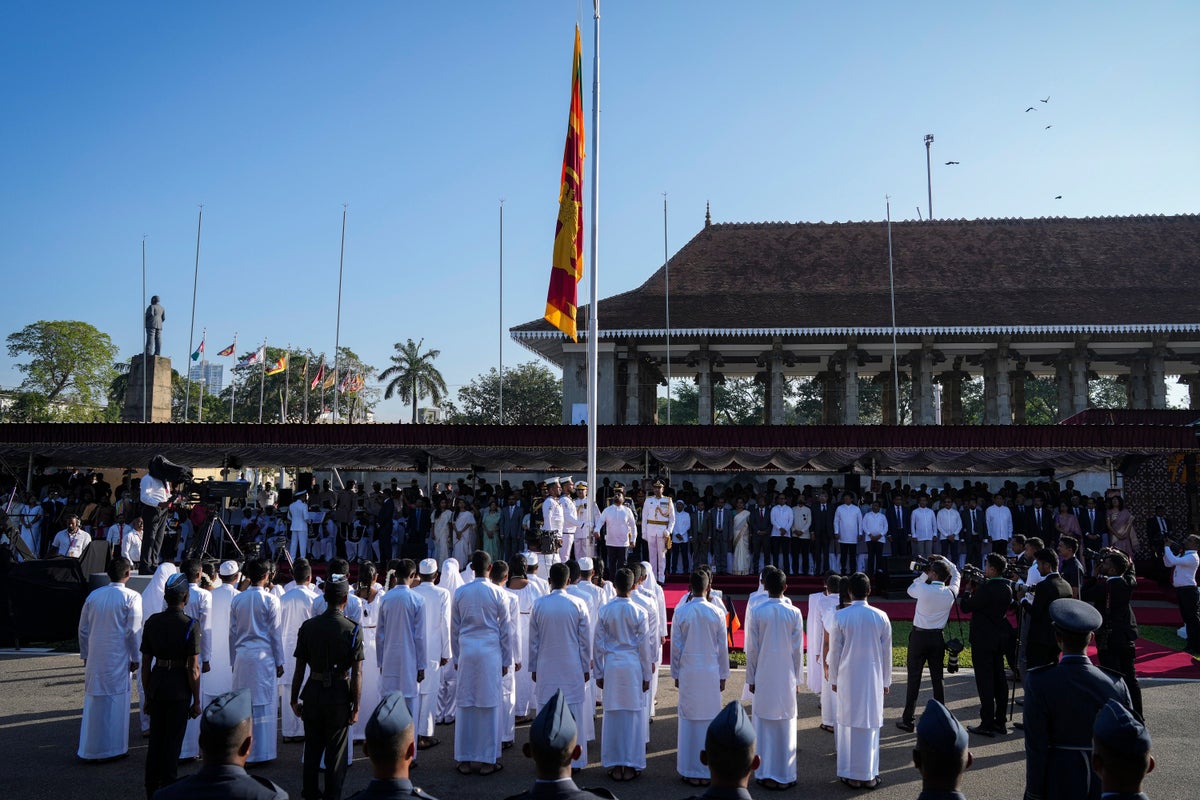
<point x="187" y="396"/>
<point x="144" y="356"/>
<point x="594" y="288"/>
<point x="262" y="379"/>
<point x="892" y="290"/>
<point x="233" y="378"/>
<point x="337" y="333"/>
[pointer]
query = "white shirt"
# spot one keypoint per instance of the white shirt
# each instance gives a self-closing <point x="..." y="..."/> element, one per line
<point x="560" y="646"/>
<point x="127" y="540"/>
<point x="699" y="658"/>
<point x="683" y="527"/>
<point x="481" y="640"/>
<point x="924" y="524"/>
<point x="199" y="608"/>
<point x="620" y="528"/>
<point x="295" y="608"/>
<point x="437" y="627"/>
<point x="949" y="523"/>
<point x="256" y="643"/>
<point x="298" y="512"/>
<point x="847" y="524"/>
<point x="220" y="679"/>
<point x="110" y="632"/>
<point x="552" y="514"/>
<point x="775" y="657"/>
<point x="71" y="544"/>
<point x="1185" y="566"/>
<point x="623" y="655"/>
<point x="152" y="491"/>
<point x="935" y="600"/>
<point x="781" y="520"/>
<point x="400" y="638"/>
<point x="860" y="663"/>
<point x="999" y="522"/>
<point x="874" y="524"/>
<point x="802" y="520"/>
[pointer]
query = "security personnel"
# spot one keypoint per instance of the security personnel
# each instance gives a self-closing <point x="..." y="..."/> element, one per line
<point x="941" y="754"/>
<point x="729" y="753"/>
<point x="225" y="737"/>
<point x="390" y="744"/>
<point x="1120" y="753"/>
<point x="553" y="745"/>
<point x="991" y="638"/>
<point x="170" y="682"/>
<point x="331" y="646"/>
<point x="1061" y="703"/>
<point x="1112" y="595"/>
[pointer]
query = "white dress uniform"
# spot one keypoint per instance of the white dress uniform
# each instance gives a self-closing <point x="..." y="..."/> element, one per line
<point x="588" y="516"/>
<point x="295" y="607"/>
<point x="199" y="608"/>
<point x="860" y="666"/>
<point x="570" y="527"/>
<point x="553" y="519"/>
<point x="371" y="693"/>
<point x="775" y="667"/>
<point x="481" y="641"/>
<point x="560" y="653"/>
<point x="110" y="633"/>
<point x="437" y="647"/>
<point x="658" y="523"/>
<point x="699" y="661"/>
<point x="624" y="660"/>
<point x="256" y="646"/>
<point x="298" y="527"/>
<point x="400" y="644"/>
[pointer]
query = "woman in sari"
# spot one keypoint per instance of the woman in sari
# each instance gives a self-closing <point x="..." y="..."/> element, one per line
<point x="464" y="531"/>
<point x="442" y="525"/>
<point x="1120" y="527"/>
<point x="491" y="531"/>
<point x="741" y="539"/>
<point x="1066" y="523"/>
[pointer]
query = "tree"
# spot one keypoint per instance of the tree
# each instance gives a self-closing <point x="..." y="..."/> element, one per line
<point x="413" y="375"/>
<point x="532" y="396"/>
<point x="70" y="364"/>
<point x="1106" y="392"/>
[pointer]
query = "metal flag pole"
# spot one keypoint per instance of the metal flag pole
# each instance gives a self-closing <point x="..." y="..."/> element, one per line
<point x="929" y="172"/>
<point x="337" y="334"/>
<point x="667" y="296"/>
<point x="233" y="379"/>
<point x="892" y="285"/>
<point x="187" y="396"/>
<point x="262" y="379"/>
<point x="287" y="366"/>
<point x="203" y="378"/>
<point x="594" y="283"/>
<point x="500" y="338"/>
<point x="144" y="355"/>
<point x="304" y="386"/>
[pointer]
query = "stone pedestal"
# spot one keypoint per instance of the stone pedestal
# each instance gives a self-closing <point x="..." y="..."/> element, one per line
<point x="156" y="370"/>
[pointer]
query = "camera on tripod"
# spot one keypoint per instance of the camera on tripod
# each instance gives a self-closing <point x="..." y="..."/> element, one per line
<point x="953" y="648"/>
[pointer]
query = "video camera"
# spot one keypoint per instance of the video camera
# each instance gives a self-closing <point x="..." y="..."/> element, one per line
<point x="919" y="564"/>
<point x="973" y="574"/>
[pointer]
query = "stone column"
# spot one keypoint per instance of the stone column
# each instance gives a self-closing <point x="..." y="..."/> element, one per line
<point x="997" y="366"/>
<point x="606" y="383"/>
<point x="921" y="362"/>
<point x="777" y="388"/>
<point x="1062" y="376"/>
<point x="1156" y="378"/>
<point x="1017" y="381"/>
<point x="1079" y="380"/>
<point x="829" y="410"/>
<point x="1137" y="388"/>
<point x="575" y="381"/>
<point x="633" y="387"/>
<point x="849" y="390"/>
<point x="704" y="383"/>
<point x="952" y="410"/>
<point x="887" y="400"/>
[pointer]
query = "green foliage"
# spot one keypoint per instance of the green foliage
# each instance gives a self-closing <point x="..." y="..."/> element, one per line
<point x="285" y="392"/>
<point x="413" y="375"/>
<point x="532" y="396"/>
<point x="29" y="407"/>
<point x="69" y="363"/>
<point x="1106" y="392"/>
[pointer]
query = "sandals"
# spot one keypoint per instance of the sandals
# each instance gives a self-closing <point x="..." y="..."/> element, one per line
<point x="427" y="742"/>
<point x="774" y="785"/>
<point x="827" y="728"/>
<point x="491" y="769"/>
<point x="465" y="768"/>
<point x="618" y="774"/>
<point x="871" y="785"/>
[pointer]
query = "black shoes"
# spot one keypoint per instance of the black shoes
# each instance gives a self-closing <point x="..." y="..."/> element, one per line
<point x="979" y="730"/>
<point x="905" y="725"/>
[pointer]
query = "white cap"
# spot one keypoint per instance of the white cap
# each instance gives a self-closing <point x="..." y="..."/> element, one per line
<point x="531" y="559"/>
<point x="567" y="480"/>
<point x="228" y="569"/>
<point x="553" y="481"/>
<point x="585" y="564"/>
<point x="428" y="566"/>
<point x="581" y="485"/>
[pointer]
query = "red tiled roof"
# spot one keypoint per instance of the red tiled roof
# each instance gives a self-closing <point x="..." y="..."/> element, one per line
<point x="1141" y="270"/>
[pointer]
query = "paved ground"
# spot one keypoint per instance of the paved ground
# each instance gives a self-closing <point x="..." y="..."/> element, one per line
<point x="41" y="698"/>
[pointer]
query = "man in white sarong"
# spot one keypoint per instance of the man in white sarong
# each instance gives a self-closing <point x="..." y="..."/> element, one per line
<point x="527" y="595"/>
<point x="199" y="608"/>
<point x="757" y="598"/>
<point x="451" y="578"/>
<point x="400" y="638"/>
<point x="508" y="711"/>
<point x="592" y="596"/>
<point x="560" y="649"/>
<point x="860" y="672"/>
<point x="774" y="671"/>
<point x="256" y="650"/>
<point x="110" y="631"/>
<point x="295" y="607"/>
<point x="700" y="667"/>
<point x="482" y="646"/>
<point x="437" y="649"/>
<point x="821" y="608"/>
<point x="624" y="661"/>
<point x="219" y="680"/>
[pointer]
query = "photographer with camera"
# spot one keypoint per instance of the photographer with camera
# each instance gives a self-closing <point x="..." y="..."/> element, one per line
<point x="1112" y="594"/>
<point x="935" y="591"/>
<point x="1183" y="578"/>
<point x="1042" y="648"/>
<point x="988" y="601"/>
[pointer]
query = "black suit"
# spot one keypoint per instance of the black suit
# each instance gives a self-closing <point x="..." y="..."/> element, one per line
<point x="1041" y="647"/>
<point x="760" y="537"/>
<point x="512" y="535"/>
<point x="991" y="638"/>
<point x="1061" y="703"/>
<point x="561" y="790"/>
<point x="1093" y="524"/>
<point x="1157" y="531"/>
<point x="1044" y="528"/>
<point x="1116" y="637"/>
<point x="1020" y="515"/>
<point x="899" y="529"/>
<point x="822" y="534"/>
<point x="974" y="531"/>
<point x="416" y="531"/>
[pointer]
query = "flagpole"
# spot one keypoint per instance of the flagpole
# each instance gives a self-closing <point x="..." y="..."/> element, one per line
<point x="594" y="283"/>
<point x="262" y="380"/>
<point x="500" y="415"/>
<point x="187" y="396"/>
<point x="233" y="378"/>
<point x="286" y="367"/>
<point x="892" y="286"/>
<point x="144" y="356"/>
<point x="337" y="334"/>
<point x="667" y="296"/>
<point x="304" y="386"/>
<point x="203" y="378"/>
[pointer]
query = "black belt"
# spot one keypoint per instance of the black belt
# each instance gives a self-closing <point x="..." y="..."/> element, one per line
<point x="333" y="676"/>
<point x="927" y="630"/>
<point x="167" y="663"/>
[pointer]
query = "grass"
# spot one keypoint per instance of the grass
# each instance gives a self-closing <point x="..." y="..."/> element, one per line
<point x="1161" y="634"/>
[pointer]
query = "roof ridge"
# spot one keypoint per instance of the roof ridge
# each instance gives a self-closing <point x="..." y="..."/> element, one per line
<point x="956" y="221"/>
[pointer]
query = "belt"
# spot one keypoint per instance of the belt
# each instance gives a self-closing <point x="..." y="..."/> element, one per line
<point x="333" y="676"/>
<point x="927" y="630"/>
<point x="166" y="663"/>
<point x="656" y="522"/>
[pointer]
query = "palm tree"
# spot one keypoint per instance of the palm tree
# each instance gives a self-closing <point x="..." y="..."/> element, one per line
<point x="413" y="375"/>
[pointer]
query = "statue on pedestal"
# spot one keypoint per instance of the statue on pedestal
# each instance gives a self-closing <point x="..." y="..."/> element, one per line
<point x="155" y="316"/>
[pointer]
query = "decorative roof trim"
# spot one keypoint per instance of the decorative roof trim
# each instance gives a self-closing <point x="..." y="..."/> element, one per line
<point x="521" y="336"/>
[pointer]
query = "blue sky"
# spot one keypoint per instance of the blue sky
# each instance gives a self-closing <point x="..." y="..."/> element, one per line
<point x="120" y="118"/>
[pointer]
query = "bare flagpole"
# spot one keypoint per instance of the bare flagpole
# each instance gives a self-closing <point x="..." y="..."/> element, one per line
<point x="187" y="396"/>
<point x="500" y="415"/>
<point x="667" y="296"/>
<point x="337" y="334"/>
<point x="892" y="284"/>
<point x="262" y="380"/>
<point x="144" y="356"/>
<point x="594" y="283"/>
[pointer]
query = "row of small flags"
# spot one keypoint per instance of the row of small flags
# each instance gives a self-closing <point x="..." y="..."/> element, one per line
<point x="351" y="382"/>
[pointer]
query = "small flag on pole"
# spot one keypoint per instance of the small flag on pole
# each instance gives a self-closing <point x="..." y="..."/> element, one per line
<point x="279" y="366"/>
<point x="254" y="358"/>
<point x="330" y="379"/>
<point x="200" y="349"/>
<point x="228" y="351"/>
<point x="320" y="376"/>
<point x="567" y="262"/>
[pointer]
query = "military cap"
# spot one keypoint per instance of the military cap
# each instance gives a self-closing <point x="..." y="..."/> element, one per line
<point x="552" y="482"/>
<point x="228" y="710"/>
<point x="730" y="729"/>
<point x="554" y="726"/>
<point x="581" y="485"/>
<point x="301" y="493"/>
<point x="1118" y="730"/>
<point x="585" y="564"/>
<point x="228" y="569"/>
<point x="939" y="731"/>
<point x="390" y="717"/>
<point x="428" y="566"/>
<point x="1074" y="616"/>
<point x="658" y="482"/>
<point x="567" y="480"/>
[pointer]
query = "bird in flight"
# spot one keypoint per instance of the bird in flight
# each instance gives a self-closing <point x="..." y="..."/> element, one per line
<point x="948" y="163"/>
<point x="1058" y="197"/>
<point x="1031" y="108"/>
<point x="1047" y="100"/>
<point x="1048" y="127"/>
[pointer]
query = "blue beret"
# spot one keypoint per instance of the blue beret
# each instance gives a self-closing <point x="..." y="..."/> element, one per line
<point x="939" y="731"/>
<point x="730" y="729"/>
<point x="390" y="717"/>
<point x="1116" y="728"/>
<point x="554" y="726"/>
<point x="1075" y="616"/>
<point x="228" y="710"/>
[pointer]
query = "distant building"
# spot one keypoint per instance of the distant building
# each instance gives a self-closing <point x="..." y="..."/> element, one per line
<point x="209" y="374"/>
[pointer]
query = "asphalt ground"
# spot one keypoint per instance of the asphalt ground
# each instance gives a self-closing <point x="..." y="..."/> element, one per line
<point x="41" y="697"/>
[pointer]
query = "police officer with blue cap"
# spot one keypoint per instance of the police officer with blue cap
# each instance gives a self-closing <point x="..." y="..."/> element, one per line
<point x="729" y="754"/>
<point x="225" y="736"/>
<point x="1120" y="753"/>
<point x="390" y="745"/>
<point x="553" y="744"/>
<point x="941" y="754"/>
<point x="1061" y="703"/>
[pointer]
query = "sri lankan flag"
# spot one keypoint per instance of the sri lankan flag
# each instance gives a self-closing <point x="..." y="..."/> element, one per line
<point x="279" y="366"/>
<point x="567" y="262"/>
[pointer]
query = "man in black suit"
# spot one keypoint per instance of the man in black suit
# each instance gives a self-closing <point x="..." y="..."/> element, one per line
<point x="1061" y="703"/>
<point x="512" y="535"/>
<point x="1093" y="525"/>
<point x="991" y="637"/>
<point x="899" y="526"/>
<point x="822" y="531"/>
<point x="384" y="524"/>
<point x="1042" y="647"/>
<point x="553" y="745"/>
<point x="417" y="531"/>
<point x="701" y="534"/>
<point x="760" y="534"/>
<point x="974" y="530"/>
<point x="1112" y="595"/>
<point x="1020" y="515"/>
<point x="1039" y="522"/>
<point x="1158" y="530"/>
<point x="722" y="535"/>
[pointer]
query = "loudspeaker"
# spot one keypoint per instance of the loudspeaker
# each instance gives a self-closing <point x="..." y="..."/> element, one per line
<point x="285" y="498"/>
<point x="305" y="481"/>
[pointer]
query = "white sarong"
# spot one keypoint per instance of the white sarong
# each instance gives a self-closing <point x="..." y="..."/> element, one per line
<point x="690" y="743"/>
<point x="104" y="732"/>
<point x="857" y="753"/>
<point x="620" y="745"/>
<point x="475" y="735"/>
<point x="776" y="746"/>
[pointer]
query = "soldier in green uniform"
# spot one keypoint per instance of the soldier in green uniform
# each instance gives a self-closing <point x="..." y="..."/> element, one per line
<point x="331" y="647"/>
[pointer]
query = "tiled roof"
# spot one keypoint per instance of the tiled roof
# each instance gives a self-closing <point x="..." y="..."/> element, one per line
<point x="1055" y="273"/>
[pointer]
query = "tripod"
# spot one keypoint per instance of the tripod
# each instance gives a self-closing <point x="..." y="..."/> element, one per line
<point x="202" y="549"/>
